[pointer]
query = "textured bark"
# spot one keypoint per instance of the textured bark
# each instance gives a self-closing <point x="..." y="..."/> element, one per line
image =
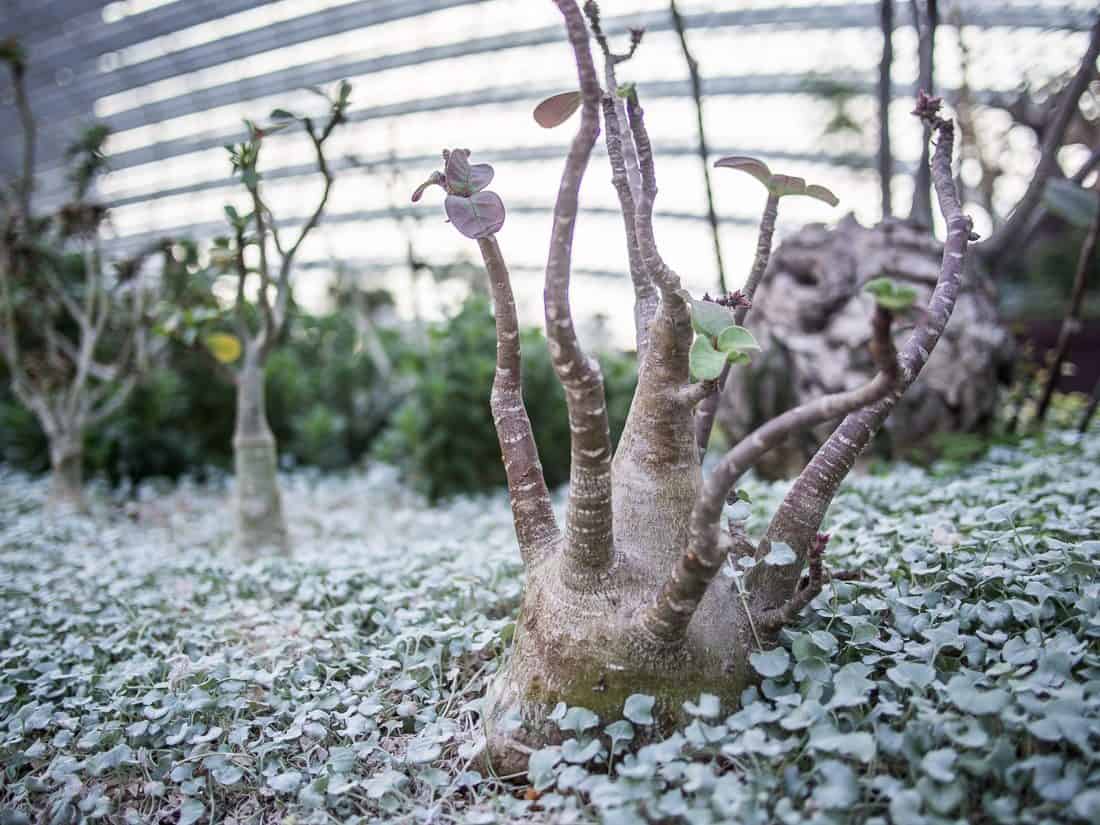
<point x="810" y="319"/>
<point x="261" y="526"/>
<point x="67" y="472"/>
<point x="532" y="513"/>
<point x="1072" y="321"/>
<point x="588" y="516"/>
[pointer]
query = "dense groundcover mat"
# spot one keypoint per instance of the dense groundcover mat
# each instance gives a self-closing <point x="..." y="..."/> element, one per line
<point x="146" y="676"/>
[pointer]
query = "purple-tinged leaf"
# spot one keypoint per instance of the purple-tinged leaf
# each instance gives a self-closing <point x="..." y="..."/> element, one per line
<point x="478" y="216"/>
<point x="787" y="185"/>
<point x="462" y="178"/>
<point x="757" y="168"/>
<point x="436" y="179"/>
<point x="822" y="194"/>
<point x="555" y="110"/>
<point x="481" y="175"/>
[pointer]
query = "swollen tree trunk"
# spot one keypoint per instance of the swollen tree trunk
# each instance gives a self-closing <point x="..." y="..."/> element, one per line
<point x="628" y="598"/>
<point x="66" y="472"/>
<point x="260" y="524"/>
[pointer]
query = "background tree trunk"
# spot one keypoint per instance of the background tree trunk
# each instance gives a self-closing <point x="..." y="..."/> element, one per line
<point x="66" y="472"/>
<point x="261" y="526"/>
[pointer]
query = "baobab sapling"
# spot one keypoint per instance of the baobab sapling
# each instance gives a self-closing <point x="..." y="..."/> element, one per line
<point x="626" y="597"/>
<point x="258" y="325"/>
<point x="73" y="328"/>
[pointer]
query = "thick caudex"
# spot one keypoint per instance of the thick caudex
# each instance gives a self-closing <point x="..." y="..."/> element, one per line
<point x="628" y="597"/>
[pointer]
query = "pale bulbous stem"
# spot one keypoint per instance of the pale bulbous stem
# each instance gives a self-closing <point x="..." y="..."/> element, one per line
<point x="260" y="524"/>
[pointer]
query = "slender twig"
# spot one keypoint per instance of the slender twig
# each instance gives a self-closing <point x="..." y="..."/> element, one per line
<point x="1071" y="323"/>
<point x="704" y="153"/>
<point x="885" y="152"/>
<point x="926" y="19"/>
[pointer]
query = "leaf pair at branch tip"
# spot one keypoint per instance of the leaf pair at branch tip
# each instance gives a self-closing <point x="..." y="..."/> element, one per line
<point x="475" y="212"/>
<point x="718" y="339"/>
<point x="778" y="185"/>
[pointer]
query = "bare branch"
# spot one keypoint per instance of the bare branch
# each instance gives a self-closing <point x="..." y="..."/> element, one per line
<point x="645" y="295"/>
<point x="800" y="515"/>
<point x="704" y="152"/>
<point x="588" y="521"/>
<point x="669" y="616"/>
<point x="1071" y="323"/>
<point x="926" y="19"/>
<point x="1006" y="239"/>
<point x="885" y="152"/>
<point x="22" y="103"/>
<point x="532" y="513"/>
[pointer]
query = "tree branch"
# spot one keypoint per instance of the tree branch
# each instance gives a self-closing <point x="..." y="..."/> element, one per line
<point x="926" y="23"/>
<point x="800" y="515"/>
<point x="645" y="295"/>
<point x="588" y="520"/>
<point x="1072" y="321"/>
<point x="536" y="528"/>
<point x="885" y="153"/>
<point x="1006" y="239"/>
<point x="704" y="153"/>
<point x="669" y="616"/>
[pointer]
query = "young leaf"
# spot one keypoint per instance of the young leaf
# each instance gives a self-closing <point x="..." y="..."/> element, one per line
<point x="736" y="339"/>
<point x="705" y="361"/>
<point x="787" y="185"/>
<point x="477" y="216"/>
<point x="709" y="318"/>
<point x="555" y="110"/>
<point x="890" y="295"/>
<point x="822" y="194"/>
<point x="282" y="114"/>
<point x="757" y="168"/>
<point x="223" y="346"/>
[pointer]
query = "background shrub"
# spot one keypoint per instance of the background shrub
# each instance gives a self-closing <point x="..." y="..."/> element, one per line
<point x="442" y="436"/>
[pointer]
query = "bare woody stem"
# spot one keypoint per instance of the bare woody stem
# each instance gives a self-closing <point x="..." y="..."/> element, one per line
<point x="799" y="516"/>
<point x="885" y="153"/>
<point x="668" y="617"/>
<point x="704" y="152"/>
<point x="925" y="23"/>
<point x="26" y="118"/>
<point x="645" y="295"/>
<point x="532" y="514"/>
<point x="708" y="409"/>
<point x="1006" y="239"/>
<point x="1072" y="322"/>
<point x="588" y="518"/>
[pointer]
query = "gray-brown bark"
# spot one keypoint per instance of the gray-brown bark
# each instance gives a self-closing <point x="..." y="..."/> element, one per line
<point x="66" y="472"/>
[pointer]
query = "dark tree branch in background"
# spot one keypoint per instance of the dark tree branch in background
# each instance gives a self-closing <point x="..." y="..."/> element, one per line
<point x="1006" y="240"/>
<point x="704" y="154"/>
<point x="925" y="18"/>
<point x="885" y="152"/>
<point x="1071" y="324"/>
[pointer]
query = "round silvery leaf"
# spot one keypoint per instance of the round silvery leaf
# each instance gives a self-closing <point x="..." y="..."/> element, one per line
<point x="478" y="216"/>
